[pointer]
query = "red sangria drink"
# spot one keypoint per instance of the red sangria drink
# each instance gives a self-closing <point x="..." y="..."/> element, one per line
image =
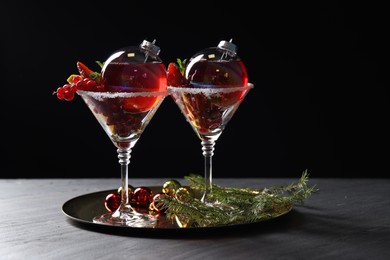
<point x="135" y="80"/>
<point x="123" y="97"/>
<point x="208" y="90"/>
<point x="116" y="114"/>
<point x="208" y="110"/>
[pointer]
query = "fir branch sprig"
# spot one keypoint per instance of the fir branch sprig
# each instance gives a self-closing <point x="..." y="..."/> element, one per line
<point x="235" y="205"/>
<point x="295" y="192"/>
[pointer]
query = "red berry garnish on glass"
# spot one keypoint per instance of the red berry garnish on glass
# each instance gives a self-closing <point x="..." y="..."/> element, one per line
<point x="88" y="80"/>
<point x="175" y="73"/>
<point x="68" y="92"/>
<point x="60" y="93"/>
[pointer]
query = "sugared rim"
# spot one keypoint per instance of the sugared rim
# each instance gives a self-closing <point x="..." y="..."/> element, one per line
<point x="209" y="90"/>
<point x="99" y="95"/>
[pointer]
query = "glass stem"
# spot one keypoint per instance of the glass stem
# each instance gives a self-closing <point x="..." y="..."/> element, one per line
<point x="208" y="152"/>
<point x="124" y="155"/>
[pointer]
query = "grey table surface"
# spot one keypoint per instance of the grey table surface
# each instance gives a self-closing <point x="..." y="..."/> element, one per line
<point x="346" y="219"/>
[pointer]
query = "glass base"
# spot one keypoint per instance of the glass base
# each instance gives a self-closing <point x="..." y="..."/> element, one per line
<point x="126" y="216"/>
<point x="216" y="203"/>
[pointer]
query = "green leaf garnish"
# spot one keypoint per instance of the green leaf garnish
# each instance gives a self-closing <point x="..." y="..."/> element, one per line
<point x="100" y="63"/>
<point x="181" y="64"/>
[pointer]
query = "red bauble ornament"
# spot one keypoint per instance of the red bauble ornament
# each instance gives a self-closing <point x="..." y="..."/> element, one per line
<point x="112" y="201"/>
<point x="143" y="196"/>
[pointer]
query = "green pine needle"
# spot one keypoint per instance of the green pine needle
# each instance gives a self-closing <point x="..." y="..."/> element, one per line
<point x="235" y="205"/>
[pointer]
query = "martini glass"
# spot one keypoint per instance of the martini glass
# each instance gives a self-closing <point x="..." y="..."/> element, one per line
<point x="208" y="110"/>
<point x="124" y="125"/>
<point x="134" y="83"/>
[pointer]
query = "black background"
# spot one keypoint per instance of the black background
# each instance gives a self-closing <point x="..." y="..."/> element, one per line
<point x="319" y="102"/>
